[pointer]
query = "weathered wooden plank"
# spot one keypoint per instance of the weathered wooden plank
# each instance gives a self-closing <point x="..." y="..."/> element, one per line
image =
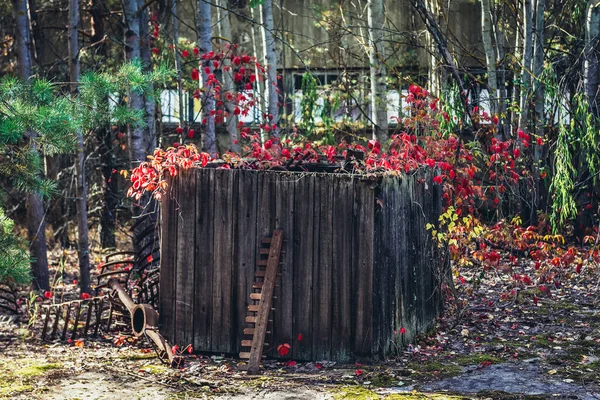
<point x="397" y="250"/>
<point x="322" y="267"/>
<point x="283" y="323"/>
<point x="284" y="287"/>
<point x="363" y="258"/>
<point x="341" y="334"/>
<point x="265" y="217"/>
<point x="253" y="308"/>
<point x="203" y="244"/>
<point x="168" y="256"/>
<point x="304" y="204"/>
<point x="186" y="229"/>
<point x="264" y="307"/>
<point x="417" y="226"/>
<point x="246" y="244"/>
<point x="380" y="265"/>
<point x="222" y="332"/>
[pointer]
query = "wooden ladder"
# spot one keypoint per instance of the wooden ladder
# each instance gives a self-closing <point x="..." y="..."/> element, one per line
<point x="264" y="283"/>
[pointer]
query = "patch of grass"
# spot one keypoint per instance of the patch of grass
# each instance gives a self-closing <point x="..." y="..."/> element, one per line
<point x="542" y="340"/>
<point x="383" y="380"/>
<point x="475" y="359"/>
<point x="437" y="368"/>
<point x="154" y="368"/>
<point x="138" y="356"/>
<point x="259" y="382"/>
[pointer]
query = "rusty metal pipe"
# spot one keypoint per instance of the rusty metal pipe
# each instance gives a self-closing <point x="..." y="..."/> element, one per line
<point x="144" y="321"/>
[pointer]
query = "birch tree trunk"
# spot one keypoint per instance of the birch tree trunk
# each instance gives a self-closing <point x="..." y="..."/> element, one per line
<point x="259" y="84"/>
<point x="377" y="71"/>
<point x="83" y="248"/>
<point x="526" y="63"/>
<point x="592" y="50"/>
<point x="36" y="225"/>
<point x="270" y="52"/>
<point x="204" y="29"/>
<point x="231" y="121"/>
<point x="490" y="54"/>
<point x="137" y="152"/>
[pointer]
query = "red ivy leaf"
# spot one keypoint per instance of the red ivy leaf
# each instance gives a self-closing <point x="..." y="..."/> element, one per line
<point x="283" y="349"/>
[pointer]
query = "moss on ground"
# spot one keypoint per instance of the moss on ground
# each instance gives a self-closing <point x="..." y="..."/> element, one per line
<point x="18" y="376"/>
<point x="362" y="393"/>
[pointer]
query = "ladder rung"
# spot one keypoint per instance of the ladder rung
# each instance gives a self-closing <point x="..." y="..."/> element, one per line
<point x="255" y="296"/>
<point x="246" y="355"/>
<point x="257" y="285"/>
<point x="262" y="263"/>
<point x="265" y="251"/>
<point x="250" y="331"/>
<point x="266" y="241"/>
<point x="251" y="320"/>
<point x="248" y="343"/>
<point x="260" y="274"/>
<point x="253" y="307"/>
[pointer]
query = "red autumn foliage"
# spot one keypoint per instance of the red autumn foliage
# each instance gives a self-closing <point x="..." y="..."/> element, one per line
<point x="283" y="349"/>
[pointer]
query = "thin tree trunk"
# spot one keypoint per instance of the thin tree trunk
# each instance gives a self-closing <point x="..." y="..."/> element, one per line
<point x="592" y="50"/>
<point x="377" y="71"/>
<point x="204" y="29"/>
<point x="36" y="225"/>
<point x="231" y="121"/>
<point x="435" y="73"/>
<point x="499" y="26"/>
<point x="83" y="248"/>
<point x="538" y="92"/>
<point x="442" y="45"/>
<point x="538" y="67"/>
<point x="149" y="139"/>
<point x="526" y="63"/>
<point x="105" y="139"/>
<point x="270" y="52"/>
<point x="182" y="123"/>
<point x="490" y="54"/>
<point x="516" y="91"/>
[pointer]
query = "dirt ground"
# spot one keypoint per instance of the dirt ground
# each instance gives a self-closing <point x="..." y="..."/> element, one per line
<point x="486" y="347"/>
